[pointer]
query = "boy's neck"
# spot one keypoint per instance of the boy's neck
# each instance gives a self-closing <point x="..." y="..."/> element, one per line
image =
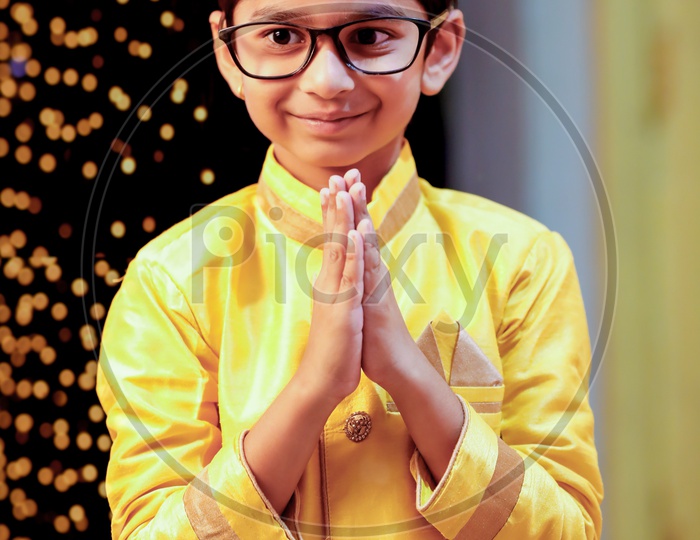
<point x="372" y="168"/>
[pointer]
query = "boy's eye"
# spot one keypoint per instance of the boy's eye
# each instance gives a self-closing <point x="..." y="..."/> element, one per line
<point x="284" y="36"/>
<point x="369" y="36"/>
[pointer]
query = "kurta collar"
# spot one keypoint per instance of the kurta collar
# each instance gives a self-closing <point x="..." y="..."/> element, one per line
<point x="295" y="208"/>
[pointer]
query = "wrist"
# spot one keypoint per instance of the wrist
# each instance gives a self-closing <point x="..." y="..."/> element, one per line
<point x="406" y="369"/>
<point x="318" y="397"/>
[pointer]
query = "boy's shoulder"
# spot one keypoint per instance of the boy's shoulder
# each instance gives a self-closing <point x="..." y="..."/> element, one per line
<point x="473" y="212"/>
<point x="481" y="227"/>
<point x="176" y="248"/>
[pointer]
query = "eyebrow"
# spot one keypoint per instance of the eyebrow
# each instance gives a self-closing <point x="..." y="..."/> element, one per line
<point x="273" y="14"/>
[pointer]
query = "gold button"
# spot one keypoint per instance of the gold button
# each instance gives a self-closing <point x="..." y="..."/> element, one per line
<point x="357" y="426"/>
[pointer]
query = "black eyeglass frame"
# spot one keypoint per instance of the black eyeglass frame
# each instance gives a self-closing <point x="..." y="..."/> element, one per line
<point x="424" y="27"/>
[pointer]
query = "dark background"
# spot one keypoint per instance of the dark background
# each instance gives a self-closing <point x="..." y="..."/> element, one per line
<point x="71" y="216"/>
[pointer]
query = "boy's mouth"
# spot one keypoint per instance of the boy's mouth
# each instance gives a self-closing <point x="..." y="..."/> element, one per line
<point x="327" y="124"/>
<point x="325" y="117"/>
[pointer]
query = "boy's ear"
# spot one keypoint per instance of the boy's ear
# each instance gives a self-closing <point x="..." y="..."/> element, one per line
<point x="227" y="67"/>
<point x="444" y="54"/>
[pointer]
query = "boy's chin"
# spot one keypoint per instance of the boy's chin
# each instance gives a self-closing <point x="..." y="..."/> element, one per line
<point x="330" y="156"/>
<point x="335" y="156"/>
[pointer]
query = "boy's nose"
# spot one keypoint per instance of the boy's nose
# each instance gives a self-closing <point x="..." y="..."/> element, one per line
<point x="326" y="75"/>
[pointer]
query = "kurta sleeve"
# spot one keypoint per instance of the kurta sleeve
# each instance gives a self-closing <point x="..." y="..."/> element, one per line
<point x="169" y="476"/>
<point x="540" y="479"/>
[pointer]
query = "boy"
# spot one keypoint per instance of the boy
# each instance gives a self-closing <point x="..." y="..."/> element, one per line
<point x="445" y="398"/>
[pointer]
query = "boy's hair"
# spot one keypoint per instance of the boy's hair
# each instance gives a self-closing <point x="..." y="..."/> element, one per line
<point x="432" y="7"/>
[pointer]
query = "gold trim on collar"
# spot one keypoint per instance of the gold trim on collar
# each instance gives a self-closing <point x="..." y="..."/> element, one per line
<point x="302" y="228"/>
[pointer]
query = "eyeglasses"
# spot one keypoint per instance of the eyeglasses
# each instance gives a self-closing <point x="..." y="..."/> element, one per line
<point x="376" y="46"/>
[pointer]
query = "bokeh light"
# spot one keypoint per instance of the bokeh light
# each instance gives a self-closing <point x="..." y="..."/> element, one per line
<point x="70" y="80"/>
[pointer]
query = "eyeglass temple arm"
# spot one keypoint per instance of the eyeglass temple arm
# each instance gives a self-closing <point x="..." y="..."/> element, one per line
<point x="222" y="20"/>
<point x="439" y="19"/>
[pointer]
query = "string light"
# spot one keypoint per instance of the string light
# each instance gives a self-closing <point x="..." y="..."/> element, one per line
<point x="128" y="165"/>
<point x="167" y="19"/>
<point x="42" y="346"/>
<point x="207" y="177"/>
<point x="149" y="224"/>
<point x="144" y="113"/>
<point x="167" y="132"/>
<point x="200" y="113"/>
<point x="118" y="229"/>
<point x="89" y="170"/>
<point x="57" y="25"/>
<point x="70" y="77"/>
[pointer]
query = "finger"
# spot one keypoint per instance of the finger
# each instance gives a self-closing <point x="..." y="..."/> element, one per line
<point x="358" y="192"/>
<point x="369" y="240"/>
<point x="368" y="232"/>
<point x="324" y="195"/>
<point x="352" y="282"/>
<point x="335" y="247"/>
<point x="321" y="282"/>
<point x="344" y="215"/>
<point x="333" y="188"/>
<point x="351" y="178"/>
<point x="374" y="270"/>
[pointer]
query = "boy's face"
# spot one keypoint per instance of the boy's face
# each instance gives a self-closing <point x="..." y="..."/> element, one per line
<point x="330" y="116"/>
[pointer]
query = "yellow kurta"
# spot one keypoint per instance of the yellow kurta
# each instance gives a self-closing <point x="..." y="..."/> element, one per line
<point x="211" y="321"/>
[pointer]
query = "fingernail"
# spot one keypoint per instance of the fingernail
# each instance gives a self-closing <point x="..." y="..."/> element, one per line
<point x="363" y="192"/>
<point x="352" y="242"/>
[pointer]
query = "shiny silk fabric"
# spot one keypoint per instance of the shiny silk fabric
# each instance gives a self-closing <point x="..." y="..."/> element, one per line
<point x="211" y="321"/>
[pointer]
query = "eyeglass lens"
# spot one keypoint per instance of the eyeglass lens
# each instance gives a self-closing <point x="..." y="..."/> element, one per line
<point x="376" y="46"/>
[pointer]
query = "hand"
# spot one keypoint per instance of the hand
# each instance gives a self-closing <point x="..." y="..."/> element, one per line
<point x="385" y="336"/>
<point x="431" y="411"/>
<point x="332" y="359"/>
